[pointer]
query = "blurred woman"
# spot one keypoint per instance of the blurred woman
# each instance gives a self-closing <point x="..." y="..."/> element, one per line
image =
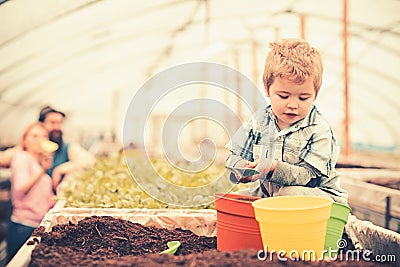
<point x="31" y="188"/>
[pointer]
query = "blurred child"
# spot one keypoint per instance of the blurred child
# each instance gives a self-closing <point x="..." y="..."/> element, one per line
<point x="289" y="142"/>
<point x="31" y="188"/>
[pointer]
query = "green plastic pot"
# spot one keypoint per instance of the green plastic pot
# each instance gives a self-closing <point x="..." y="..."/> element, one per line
<point x="335" y="227"/>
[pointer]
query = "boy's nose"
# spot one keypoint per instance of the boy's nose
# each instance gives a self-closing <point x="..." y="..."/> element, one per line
<point x="293" y="104"/>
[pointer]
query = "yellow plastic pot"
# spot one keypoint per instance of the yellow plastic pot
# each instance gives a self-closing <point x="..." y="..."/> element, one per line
<point x="293" y="226"/>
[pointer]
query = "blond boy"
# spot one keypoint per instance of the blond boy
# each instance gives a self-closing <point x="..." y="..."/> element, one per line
<point x="298" y="147"/>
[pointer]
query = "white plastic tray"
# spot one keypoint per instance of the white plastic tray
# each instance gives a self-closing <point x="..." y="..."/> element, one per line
<point x="200" y="222"/>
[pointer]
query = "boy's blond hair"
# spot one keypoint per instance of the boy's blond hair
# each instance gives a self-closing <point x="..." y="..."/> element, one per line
<point x="295" y="60"/>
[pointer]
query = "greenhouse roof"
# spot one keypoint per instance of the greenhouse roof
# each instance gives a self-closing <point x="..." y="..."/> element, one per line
<point x="89" y="57"/>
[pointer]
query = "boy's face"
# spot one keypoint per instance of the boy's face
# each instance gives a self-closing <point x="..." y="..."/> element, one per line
<point x="291" y="102"/>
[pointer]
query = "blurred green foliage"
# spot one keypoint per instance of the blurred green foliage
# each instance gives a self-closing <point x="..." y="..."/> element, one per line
<point x="110" y="184"/>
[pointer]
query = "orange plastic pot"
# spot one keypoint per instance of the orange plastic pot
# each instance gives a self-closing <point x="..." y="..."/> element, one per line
<point x="237" y="227"/>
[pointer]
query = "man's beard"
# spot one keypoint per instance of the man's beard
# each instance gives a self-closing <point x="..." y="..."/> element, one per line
<point x="56" y="137"/>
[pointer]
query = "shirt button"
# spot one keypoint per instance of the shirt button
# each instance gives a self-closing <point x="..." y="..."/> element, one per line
<point x="279" y="138"/>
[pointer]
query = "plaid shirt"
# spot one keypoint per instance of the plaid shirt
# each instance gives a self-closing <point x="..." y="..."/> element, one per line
<point x="306" y="151"/>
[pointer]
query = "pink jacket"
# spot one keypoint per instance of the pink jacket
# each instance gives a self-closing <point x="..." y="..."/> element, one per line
<point x="29" y="208"/>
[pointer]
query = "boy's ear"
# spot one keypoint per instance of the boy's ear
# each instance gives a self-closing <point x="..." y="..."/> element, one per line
<point x="266" y="91"/>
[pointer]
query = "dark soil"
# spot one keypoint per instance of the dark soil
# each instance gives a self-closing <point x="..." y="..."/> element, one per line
<point x="107" y="237"/>
<point x="107" y="241"/>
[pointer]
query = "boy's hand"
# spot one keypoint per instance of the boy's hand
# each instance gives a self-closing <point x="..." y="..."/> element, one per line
<point x="261" y="163"/>
<point x="263" y="166"/>
<point x="235" y="177"/>
<point x="252" y="164"/>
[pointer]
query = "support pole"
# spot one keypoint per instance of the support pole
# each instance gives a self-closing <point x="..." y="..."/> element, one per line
<point x="114" y="114"/>
<point x="387" y="213"/>
<point x="255" y="73"/>
<point x="303" y="26"/>
<point x="239" y="101"/>
<point x="227" y="119"/>
<point x="346" y="81"/>
<point x="277" y="33"/>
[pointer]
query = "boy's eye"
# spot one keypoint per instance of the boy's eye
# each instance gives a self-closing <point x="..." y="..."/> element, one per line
<point x="303" y="98"/>
<point x="283" y="96"/>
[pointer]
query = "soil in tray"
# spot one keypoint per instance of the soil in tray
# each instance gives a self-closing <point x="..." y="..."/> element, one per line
<point x="107" y="241"/>
<point x="102" y="237"/>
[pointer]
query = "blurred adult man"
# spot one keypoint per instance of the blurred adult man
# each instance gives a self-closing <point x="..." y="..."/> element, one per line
<point x="69" y="157"/>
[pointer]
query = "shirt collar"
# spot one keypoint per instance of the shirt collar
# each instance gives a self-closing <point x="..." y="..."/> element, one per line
<point x="309" y="119"/>
<point x="305" y="122"/>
